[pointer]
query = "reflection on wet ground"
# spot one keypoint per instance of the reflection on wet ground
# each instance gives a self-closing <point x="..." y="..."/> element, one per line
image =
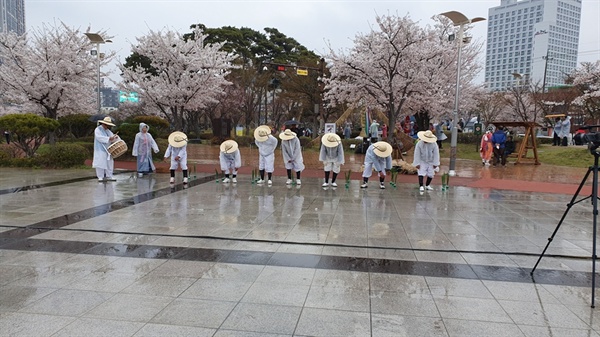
<point x="142" y="257"/>
<point x="203" y="154"/>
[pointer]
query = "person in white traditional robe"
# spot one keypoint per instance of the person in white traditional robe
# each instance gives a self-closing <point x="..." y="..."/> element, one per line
<point x="426" y="158"/>
<point x="103" y="161"/>
<point x="332" y="156"/>
<point x="565" y="131"/>
<point x="292" y="155"/>
<point x="266" y="144"/>
<point x="143" y="146"/>
<point x="378" y="157"/>
<point x="177" y="150"/>
<point x="230" y="160"/>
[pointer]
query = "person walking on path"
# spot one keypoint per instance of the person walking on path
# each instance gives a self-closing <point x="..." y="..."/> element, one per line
<point x="499" y="142"/>
<point x="143" y="146"/>
<point x="426" y="158"/>
<point x="292" y="155"/>
<point x="486" y="149"/>
<point x="103" y="161"/>
<point x="378" y="157"/>
<point x="266" y="144"/>
<point x="230" y="160"/>
<point x="332" y="156"/>
<point x="177" y="150"/>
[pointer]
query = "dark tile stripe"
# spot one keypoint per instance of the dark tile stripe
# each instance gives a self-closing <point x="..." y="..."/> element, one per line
<point x="325" y="262"/>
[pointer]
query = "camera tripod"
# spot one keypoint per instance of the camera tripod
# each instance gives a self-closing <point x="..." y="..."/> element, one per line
<point x="594" y="170"/>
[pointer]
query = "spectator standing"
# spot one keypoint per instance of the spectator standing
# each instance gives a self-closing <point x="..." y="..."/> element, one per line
<point x="565" y="130"/>
<point x="439" y="133"/>
<point x="499" y="143"/>
<point x="426" y="158"/>
<point x="384" y="131"/>
<point x="347" y="131"/>
<point x="374" y="131"/>
<point x="556" y="132"/>
<point x="486" y="148"/>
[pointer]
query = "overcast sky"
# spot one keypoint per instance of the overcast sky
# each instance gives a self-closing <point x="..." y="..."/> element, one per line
<point x="314" y="24"/>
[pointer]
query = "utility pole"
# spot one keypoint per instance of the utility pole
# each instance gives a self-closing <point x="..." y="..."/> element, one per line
<point x="546" y="58"/>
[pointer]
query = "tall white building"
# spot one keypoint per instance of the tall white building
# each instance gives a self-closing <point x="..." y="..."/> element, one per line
<point x="12" y="16"/>
<point x="532" y="39"/>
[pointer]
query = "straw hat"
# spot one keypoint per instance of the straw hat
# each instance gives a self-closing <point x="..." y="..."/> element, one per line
<point x="178" y="139"/>
<point x="287" y="135"/>
<point x="229" y="146"/>
<point x="427" y="136"/>
<point x="107" y="120"/>
<point x="382" y="149"/>
<point x="330" y="140"/>
<point x="261" y="133"/>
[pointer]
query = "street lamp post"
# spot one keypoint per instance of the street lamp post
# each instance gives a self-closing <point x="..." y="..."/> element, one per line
<point x="460" y="20"/>
<point x="97" y="39"/>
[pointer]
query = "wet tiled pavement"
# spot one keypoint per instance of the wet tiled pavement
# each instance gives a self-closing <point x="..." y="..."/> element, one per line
<point x="138" y="257"/>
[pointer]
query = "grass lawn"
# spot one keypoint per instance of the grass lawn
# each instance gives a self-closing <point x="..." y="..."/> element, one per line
<point x="574" y="156"/>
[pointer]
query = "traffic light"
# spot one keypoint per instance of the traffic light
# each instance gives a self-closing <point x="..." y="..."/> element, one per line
<point x="280" y="67"/>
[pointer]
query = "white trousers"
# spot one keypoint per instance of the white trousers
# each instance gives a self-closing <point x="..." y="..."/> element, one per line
<point x="331" y="166"/>
<point x="267" y="162"/>
<point x="369" y="170"/>
<point x="426" y="170"/>
<point x="105" y="173"/>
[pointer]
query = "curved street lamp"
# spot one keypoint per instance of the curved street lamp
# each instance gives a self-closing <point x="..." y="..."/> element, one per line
<point x="97" y="39"/>
<point x="459" y="20"/>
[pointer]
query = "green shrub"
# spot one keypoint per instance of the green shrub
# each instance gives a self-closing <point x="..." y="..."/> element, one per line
<point x="61" y="155"/>
<point x="76" y="125"/>
<point x="28" y="131"/>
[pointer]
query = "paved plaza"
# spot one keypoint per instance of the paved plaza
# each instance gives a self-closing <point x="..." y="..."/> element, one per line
<point x="140" y="257"/>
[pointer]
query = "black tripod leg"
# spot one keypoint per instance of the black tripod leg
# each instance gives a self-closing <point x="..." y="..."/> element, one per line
<point x="569" y="205"/>
<point x="594" y="222"/>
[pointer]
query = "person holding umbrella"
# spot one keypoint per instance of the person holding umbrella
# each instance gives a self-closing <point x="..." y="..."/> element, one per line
<point x="292" y="155"/>
<point x="103" y="161"/>
<point x="332" y="156"/>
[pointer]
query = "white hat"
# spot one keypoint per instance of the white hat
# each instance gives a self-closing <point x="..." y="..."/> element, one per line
<point x="229" y="146"/>
<point x="107" y="120"/>
<point x="330" y="139"/>
<point x="382" y="149"/>
<point x="287" y="135"/>
<point x="427" y="136"/>
<point x="178" y="139"/>
<point x="262" y="133"/>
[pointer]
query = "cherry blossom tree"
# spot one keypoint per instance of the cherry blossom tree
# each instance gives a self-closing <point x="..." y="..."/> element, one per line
<point x="50" y="68"/>
<point x="177" y="75"/>
<point x="587" y="79"/>
<point x="398" y="67"/>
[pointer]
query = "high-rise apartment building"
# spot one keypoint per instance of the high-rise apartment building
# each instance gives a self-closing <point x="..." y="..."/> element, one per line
<point x="531" y="40"/>
<point x="12" y="16"/>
